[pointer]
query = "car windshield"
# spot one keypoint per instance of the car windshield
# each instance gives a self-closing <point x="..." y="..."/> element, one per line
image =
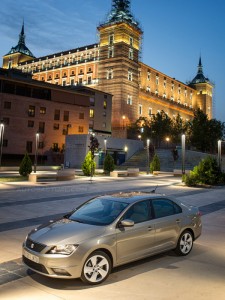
<point x="99" y="211"/>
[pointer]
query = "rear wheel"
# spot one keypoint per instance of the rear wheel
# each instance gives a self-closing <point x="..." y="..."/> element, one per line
<point x="96" y="268"/>
<point x="185" y="243"/>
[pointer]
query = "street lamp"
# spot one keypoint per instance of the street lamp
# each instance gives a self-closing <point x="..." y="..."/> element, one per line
<point x="167" y="141"/>
<point x="36" y="152"/>
<point x="139" y="136"/>
<point x="147" y="149"/>
<point x="1" y="140"/>
<point x="183" y="152"/>
<point x="123" y="117"/>
<point x="105" y="146"/>
<point x="219" y="154"/>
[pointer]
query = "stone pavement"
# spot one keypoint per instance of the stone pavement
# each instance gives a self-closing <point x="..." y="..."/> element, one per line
<point x="200" y="275"/>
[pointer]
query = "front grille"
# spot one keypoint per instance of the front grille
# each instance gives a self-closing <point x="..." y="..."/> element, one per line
<point x="34" y="246"/>
<point x="34" y="265"/>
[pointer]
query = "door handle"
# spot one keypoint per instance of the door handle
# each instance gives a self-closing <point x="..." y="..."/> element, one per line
<point x="178" y="221"/>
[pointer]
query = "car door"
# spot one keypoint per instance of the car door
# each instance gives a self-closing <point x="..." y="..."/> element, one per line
<point x="137" y="241"/>
<point x="167" y="222"/>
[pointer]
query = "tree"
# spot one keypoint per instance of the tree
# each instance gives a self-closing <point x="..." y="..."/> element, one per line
<point x="155" y="164"/>
<point x="178" y="127"/>
<point x="205" y="133"/>
<point x="108" y="164"/>
<point x="25" y="166"/>
<point x="160" y="127"/>
<point x="89" y="165"/>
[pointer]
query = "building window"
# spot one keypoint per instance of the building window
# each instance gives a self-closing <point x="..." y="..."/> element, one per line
<point x="157" y="80"/>
<point x="40" y="145"/>
<point x="42" y="110"/>
<point x="29" y="146"/>
<point x="131" y="54"/>
<point x="148" y="89"/>
<point x="110" y="74"/>
<point x="172" y="86"/>
<point x="81" y="116"/>
<point x="111" y="39"/>
<point x="30" y="123"/>
<point x="31" y="111"/>
<point x="191" y="96"/>
<point x="156" y="92"/>
<point x="80" y="129"/>
<point x="140" y="109"/>
<point x="89" y="80"/>
<point x="66" y="116"/>
<point x="64" y="83"/>
<point x="5" y="120"/>
<point x="80" y="80"/>
<point x="92" y="101"/>
<point x="130" y="76"/>
<point x="104" y="114"/>
<point x="129" y="100"/>
<point x="7" y="105"/>
<point x="72" y="82"/>
<point x="104" y="124"/>
<point x="164" y="84"/>
<point x="104" y="104"/>
<point x="111" y="52"/>
<point x="55" y="147"/>
<point x="185" y="92"/>
<point x="179" y="90"/>
<point x="131" y="41"/>
<point x="89" y="70"/>
<point x="41" y="128"/>
<point x="56" y="126"/>
<point x="91" y="113"/>
<point x="150" y="111"/>
<point x="57" y="115"/>
<point x="164" y="95"/>
<point x="148" y="75"/>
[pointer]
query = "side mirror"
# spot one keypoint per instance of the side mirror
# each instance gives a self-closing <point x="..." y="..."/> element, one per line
<point x="126" y="223"/>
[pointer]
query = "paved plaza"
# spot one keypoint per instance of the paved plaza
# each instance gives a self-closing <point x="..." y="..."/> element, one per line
<point x="200" y="275"/>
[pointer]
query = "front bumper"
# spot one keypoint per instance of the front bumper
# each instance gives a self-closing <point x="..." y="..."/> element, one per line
<point x="52" y="265"/>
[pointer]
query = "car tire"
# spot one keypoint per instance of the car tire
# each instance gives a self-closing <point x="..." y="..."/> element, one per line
<point x="185" y="243"/>
<point x="96" y="268"/>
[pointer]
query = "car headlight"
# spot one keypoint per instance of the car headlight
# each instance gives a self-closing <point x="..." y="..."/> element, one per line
<point x="63" y="249"/>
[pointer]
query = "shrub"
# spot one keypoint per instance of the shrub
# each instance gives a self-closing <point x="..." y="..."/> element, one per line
<point x="207" y="172"/>
<point x="88" y="166"/>
<point x="25" y="166"/>
<point x="108" y="164"/>
<point x="155" y="164"/>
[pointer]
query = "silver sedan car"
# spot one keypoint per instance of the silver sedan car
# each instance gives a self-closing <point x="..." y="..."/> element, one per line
<point x="108" y="231"/>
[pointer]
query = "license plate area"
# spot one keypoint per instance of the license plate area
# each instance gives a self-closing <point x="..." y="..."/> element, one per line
<point x="30" y="256"/>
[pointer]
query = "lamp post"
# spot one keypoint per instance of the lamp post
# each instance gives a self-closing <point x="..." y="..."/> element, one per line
<point x="1" y="140"/>
<point x="105" y="146"/>
<point x="36" y="152"/>
<point x="183" y="152"/>
<point x="147" y="149"/>
<point x="219" y="154"/>
<point x="139" y="136"/>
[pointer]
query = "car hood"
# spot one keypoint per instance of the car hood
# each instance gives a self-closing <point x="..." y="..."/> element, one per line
<point x="65" y="231"/>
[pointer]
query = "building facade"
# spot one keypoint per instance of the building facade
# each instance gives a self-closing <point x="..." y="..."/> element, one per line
<point x="31" y="109"/>
<point x="113" y="66"/>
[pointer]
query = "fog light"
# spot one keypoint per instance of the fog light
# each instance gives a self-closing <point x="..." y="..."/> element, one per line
<point x="58" y="271"/>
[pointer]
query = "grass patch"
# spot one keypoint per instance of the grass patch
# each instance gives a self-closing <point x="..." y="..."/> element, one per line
<point x="13" y="178"/>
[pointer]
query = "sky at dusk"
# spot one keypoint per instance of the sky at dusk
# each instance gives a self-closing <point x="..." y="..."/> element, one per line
<point x="176" y="32"/>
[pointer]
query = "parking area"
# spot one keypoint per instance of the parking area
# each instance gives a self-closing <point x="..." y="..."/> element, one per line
<point x="200" y="275"/>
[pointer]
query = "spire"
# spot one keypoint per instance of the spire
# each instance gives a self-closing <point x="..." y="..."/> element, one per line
<point x="21" y="46"/>
<point x="120" y="12"/>
<point x="200" y="78"/>
<point x="22" y="36"/>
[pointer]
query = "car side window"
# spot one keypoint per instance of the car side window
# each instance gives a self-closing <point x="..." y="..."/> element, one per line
<point x="139" y="212"/>
<point x="165" y="207"/>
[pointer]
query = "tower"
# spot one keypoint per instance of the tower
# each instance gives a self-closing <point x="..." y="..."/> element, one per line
<point x="204" y="90"/>
<point x="120" y="38"/>
<point x="17" y="54"/>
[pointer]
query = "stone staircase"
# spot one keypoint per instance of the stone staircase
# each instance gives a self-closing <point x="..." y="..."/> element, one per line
<point x="167" y="164"/>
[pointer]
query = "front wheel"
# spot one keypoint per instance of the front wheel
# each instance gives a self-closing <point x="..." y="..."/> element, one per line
<point x="96" y="268"/>
<point x="185" y="243"/>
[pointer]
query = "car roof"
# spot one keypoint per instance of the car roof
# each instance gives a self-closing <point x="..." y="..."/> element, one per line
<point x="131" y="197"/>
